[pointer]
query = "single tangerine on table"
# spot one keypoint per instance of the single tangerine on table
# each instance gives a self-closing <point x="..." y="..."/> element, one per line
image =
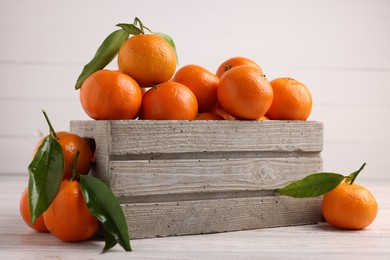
<point x="110" y="95"/>
<point x="292" y="100"/>
<point x="147" y="58"/>
<point x="68" y="217"/>
<point x="349" y="206"/>
<point x="234" y="62"/>
<point x="202" y="83"/>
<point x="244" y="92"/>
<point x="169" y="101"/>
<point x="24" y="207"/>
<point x="70" y="144"/>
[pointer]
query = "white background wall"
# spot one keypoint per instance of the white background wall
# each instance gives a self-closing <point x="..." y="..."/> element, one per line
<point x="339" y="49"/>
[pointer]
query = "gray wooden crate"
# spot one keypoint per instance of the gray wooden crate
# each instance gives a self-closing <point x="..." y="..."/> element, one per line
<point x="196" y="177"/>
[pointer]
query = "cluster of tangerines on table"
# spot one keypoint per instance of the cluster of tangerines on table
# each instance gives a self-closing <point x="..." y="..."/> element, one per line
<point x="147" y="86"/>
<point x="61" y="198"/>
<point x="67" y="217"/>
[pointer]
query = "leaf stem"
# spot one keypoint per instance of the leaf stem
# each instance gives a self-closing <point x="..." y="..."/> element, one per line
<point x="355" y="174"/>
<point x="141" y="26"/>
<point x="50" y="126"/>
<point x="74" y="173"/>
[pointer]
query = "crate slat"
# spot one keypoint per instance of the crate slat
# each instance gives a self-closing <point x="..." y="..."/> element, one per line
<point x="165" y="177"/>
<point x="151" y="137"/>
<point x="147" y="220"/>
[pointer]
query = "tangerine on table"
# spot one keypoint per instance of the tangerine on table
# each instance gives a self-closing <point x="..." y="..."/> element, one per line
<point x="292" y="100"/>
<point x="70" y="144"/>
<point x="234" y="62"/>
<point x="244" y="93"/>
<point x="169" y="101"/>
<point x="24" y="207"/>
<point x="110" y="95"/>
<point x="202" y="83"/>
<point x="68" y="217"/>
<point x="349" y="207"/>
<point x="147" y="58"/>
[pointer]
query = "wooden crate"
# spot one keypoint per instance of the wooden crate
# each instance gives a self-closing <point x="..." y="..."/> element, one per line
<point x="196" y="177"/>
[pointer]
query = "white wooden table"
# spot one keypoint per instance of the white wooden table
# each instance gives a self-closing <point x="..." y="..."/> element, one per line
<point x="320" y="241"/>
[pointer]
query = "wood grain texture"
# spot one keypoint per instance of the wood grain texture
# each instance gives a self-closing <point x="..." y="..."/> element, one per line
<point x="149" y="136"/>
<point x="199" y="136"/>
<point x="129" y="179"/>
<point x="211" y="216"/>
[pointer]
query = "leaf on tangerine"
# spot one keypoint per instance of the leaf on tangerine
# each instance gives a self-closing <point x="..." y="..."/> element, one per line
<point x="313" y="185"/>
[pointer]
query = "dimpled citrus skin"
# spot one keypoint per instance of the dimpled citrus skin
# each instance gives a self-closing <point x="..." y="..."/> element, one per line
<point x="349" y="207"/>
<point x="292" y="100"/>
<point x="24" y="206"/>
<point x="202" y="83"/>
<point x="147" y="58"/>
<point x="244" y="93"/>
<point x="169" y="101"/>
<point x="110" y="95"/>
<point x="68" y="217"/>
<point x="234" y="62"/>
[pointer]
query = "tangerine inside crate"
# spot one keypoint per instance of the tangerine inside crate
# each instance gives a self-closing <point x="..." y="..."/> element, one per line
<point x="198" y="177"/>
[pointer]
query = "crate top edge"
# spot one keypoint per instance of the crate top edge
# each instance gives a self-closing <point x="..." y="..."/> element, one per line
<point x="197" y="122"/>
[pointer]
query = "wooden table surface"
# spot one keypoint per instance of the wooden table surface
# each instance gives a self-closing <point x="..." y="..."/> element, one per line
<point x="320" y="241"/>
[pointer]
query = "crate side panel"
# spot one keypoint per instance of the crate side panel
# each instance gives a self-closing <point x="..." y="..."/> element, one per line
<point x="165" y="177"/>
<point x="99" y="131"/>
<point x="145" y="137"/>
<point x="210" y="216"/>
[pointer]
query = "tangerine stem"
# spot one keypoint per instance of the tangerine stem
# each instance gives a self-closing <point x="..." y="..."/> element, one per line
<point x="74" y="173"/>
<point x="50" y="126"/>
<point x="141" y="26"/>
<point x="355" y="174"/>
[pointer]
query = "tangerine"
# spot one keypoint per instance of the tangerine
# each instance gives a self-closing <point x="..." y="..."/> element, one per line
<point x="147" y="58"/>
<point x="202" y="83"/>
<point x="110" y="95"/>
<point x="169" y="101"/>
<point x="219" y="111"/>
<point x="349" y="206"/>
<point x="209" y="116"/>
<point x="263" y="118"/>
<point x="234" y="62"/>
<point x="292" y="100"/>
<point x="24" y="207"/>
<point x="68" y="217"/>
<point x="244" y="93"/>
<point x="70" y="144"/>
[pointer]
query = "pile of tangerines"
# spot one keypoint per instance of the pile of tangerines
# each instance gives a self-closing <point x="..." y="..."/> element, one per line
<point x="147" y="86"/>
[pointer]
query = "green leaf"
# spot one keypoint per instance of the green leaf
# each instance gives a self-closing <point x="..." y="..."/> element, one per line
<point x="104" y="55"/>
<point x="313" y="185"/>
<point x="110" y="241"/>
<point x="130" y="28"/>
<point x="103" y="204"/>
<point x="170" y="41"/>
<point x="45" y="175"/>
